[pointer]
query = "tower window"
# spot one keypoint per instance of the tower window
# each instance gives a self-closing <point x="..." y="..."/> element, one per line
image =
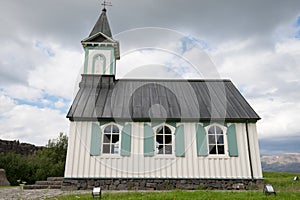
<point x="99" y="64"/>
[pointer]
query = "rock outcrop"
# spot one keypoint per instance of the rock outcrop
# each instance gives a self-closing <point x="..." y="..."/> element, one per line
<point x="3" y="179"/>
<point x="17" y="147"/>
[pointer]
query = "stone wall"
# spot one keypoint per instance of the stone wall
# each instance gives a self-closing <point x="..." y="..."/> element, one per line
<point x="162" y="184"/>
<point x="17" y="147"/>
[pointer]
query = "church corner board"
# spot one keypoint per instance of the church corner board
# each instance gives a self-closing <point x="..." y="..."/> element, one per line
<point x="156" y="134"/>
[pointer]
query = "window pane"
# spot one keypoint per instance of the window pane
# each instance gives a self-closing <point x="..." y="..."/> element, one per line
<point x="211" y="130"/>
<point x="168" y="139"/>
<point x="220" y="139"/>
<point x="161" y="149"/>
<point x="168" y="149"/>
<point x="106" y="138"/>
<point x="159" y="139"/>
<point x="159" y="130"/>
<point x="115" y="138"/>
<point x="212" y="149"/>
<point x="212" y="139"/>
<point x="115" y="129"/>
<point x="107" y="129"/>
<point x="106" y="148"/>
<point x="218" y="130"/>
<point x="221" y="149"/>
<point x="112" y="149"/>
<point x="116" y="149"/>
<point x="167" y="130"/>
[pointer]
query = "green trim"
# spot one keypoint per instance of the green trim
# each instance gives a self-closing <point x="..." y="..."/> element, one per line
<point x="179" y="141"/>
<point x="148" y="141"/>
<point x="156" y="123"/>
<point x="86" y="60"/>
<point x="112" y="59"/>
<point x="104" y="122"/>
<point x="172" y="124"/>
<point x="112" y="63"/>
<point x="222" y="123"/>
<point x="201" y="141"/>
<point x="232" y="142"/>
<point x="95" y="140"/>
<point x="126" y="141"/>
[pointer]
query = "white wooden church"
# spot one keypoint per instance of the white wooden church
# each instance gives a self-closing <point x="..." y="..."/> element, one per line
<point x="156" y="134"/>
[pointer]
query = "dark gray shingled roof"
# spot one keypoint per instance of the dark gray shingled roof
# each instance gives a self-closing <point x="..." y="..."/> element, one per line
<point x="104" y="98"/>
<point x="102" y="25"/>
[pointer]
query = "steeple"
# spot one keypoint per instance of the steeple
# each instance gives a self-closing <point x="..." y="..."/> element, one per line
<point x="101" y="50"/>
<point x="102" y="25"/>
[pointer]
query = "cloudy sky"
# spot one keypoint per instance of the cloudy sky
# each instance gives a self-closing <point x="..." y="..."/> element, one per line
<point x="254" y="43"/>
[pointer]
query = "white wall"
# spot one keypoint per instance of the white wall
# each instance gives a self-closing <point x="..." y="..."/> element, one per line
<point x="81" y="165"/>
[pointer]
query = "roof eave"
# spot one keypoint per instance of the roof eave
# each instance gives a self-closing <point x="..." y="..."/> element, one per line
<point x="97" y="35"/>
<point x="228" y="120"/>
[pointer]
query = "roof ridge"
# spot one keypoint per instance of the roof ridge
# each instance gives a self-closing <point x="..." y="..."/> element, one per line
<point x="176" y="80"/>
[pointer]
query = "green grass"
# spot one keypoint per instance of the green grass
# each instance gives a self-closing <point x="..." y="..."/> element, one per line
<point x="1" y="187"/>
<point x="283" y="183"/>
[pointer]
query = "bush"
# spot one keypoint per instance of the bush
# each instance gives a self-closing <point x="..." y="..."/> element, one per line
<point x="49" y="161"/>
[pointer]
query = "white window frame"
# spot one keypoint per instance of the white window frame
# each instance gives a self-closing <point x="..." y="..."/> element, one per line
<point x="173" y="140"/>
<point x="120" y="136"/>
<point x="224" y="129"/>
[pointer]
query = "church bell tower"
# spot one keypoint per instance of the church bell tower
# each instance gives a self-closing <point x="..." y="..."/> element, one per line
<point x="101" y="50"/>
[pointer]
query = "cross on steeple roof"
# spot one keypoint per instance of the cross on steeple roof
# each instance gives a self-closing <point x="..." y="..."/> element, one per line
<point x="106" y="3"/>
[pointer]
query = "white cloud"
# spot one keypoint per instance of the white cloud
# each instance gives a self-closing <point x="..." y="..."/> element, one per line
<point x="60" y="103"/>
<point x="56" y="75"/>
<point x="270" y="80"/>
<point x="30" y="124"/>
<point x="23" y="92"/>
<point x="6" y="104"/>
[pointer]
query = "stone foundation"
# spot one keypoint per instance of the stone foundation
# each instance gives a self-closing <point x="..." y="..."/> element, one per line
<point x="163" y="184"/>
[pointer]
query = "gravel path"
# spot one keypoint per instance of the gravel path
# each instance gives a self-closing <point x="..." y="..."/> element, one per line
<point x="16" y="193"/>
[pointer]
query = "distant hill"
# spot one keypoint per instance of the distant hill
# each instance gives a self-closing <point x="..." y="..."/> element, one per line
<point x="288" y="162"/>
<point x="17" y="147"/>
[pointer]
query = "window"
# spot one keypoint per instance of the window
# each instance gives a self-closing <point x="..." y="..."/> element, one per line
<point x="99" y="64"/>
<point x="216" y="140"/>
<point x="163" y="140"/>
<point x="111" y="140"/>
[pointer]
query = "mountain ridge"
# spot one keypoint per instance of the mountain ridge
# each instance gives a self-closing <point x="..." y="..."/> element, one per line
<point x="286" y="162"/>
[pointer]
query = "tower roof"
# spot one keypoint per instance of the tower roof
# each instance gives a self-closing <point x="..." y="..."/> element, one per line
<point x="102" y="25"/>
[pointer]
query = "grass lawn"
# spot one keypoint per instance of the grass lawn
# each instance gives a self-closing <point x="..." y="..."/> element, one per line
<point x="1" y="187"/>
<point x="283" y="184"/>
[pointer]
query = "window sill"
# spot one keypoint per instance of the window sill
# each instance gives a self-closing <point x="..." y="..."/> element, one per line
<point x="159" y="157"/>
<point x="109" y="156"/>
<point x="218" y="157"/>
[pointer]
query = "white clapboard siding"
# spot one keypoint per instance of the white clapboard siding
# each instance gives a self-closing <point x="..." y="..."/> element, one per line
<point x="80" y="164"/>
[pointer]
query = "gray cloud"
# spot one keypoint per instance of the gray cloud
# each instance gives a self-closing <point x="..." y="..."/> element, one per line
<point x="68" y="21"/>
<point x="278" y="145"/>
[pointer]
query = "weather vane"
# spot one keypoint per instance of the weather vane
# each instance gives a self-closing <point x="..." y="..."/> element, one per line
<point x="106" y="3"/>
